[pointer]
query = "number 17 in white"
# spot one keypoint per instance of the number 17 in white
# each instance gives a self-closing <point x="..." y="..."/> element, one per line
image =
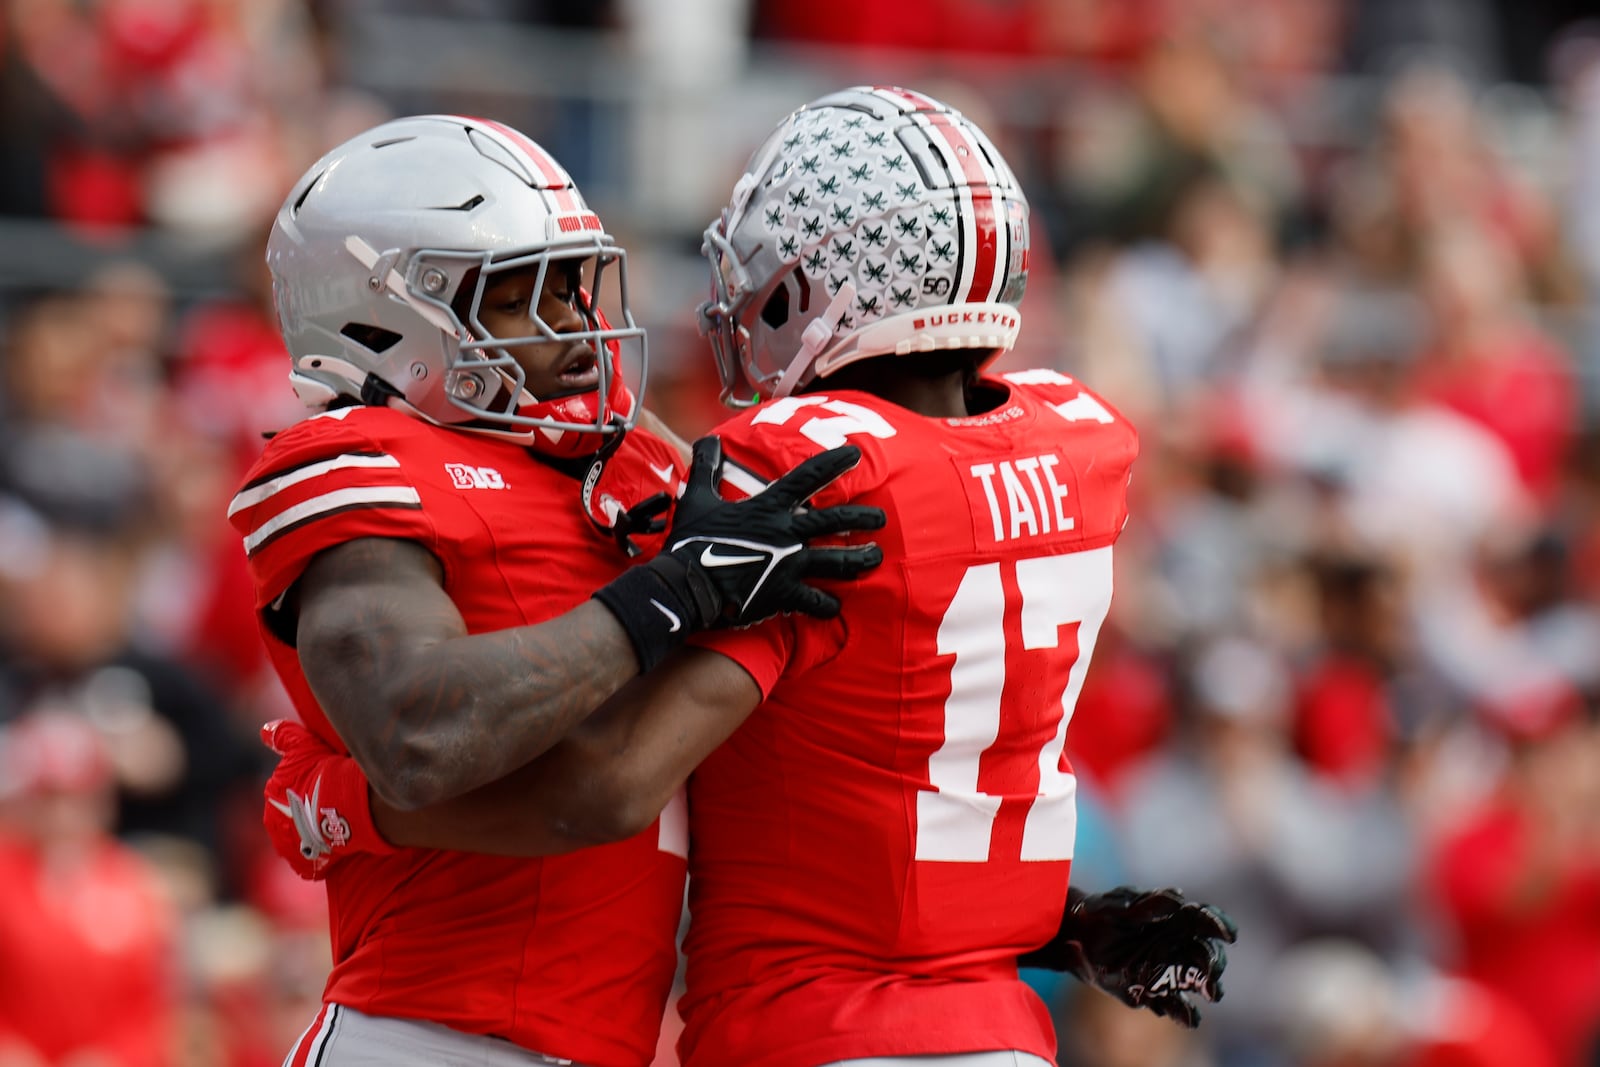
<point x="955" y="819"/>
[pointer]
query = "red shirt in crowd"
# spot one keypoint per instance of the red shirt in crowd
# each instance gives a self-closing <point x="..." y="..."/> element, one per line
<point x="89" y="949"/>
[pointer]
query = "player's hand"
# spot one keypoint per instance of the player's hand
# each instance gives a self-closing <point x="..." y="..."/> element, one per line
<point x="753" y="552"/>
<point x="1148" y="948"/>
<point x="733" y="563"/>
<point x="316" y="807"/>
<point x="647" y="517"/>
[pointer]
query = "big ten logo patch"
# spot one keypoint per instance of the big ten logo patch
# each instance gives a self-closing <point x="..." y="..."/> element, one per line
<point x="466" y="476"/>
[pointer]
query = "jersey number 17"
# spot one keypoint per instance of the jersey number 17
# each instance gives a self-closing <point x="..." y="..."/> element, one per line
<point x="955" y="819"/>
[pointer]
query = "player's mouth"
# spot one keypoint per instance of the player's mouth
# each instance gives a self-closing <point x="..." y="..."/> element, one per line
<point x="578" y="369"/>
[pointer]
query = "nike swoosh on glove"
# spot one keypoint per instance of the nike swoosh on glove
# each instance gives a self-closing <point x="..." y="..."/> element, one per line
<point x="317" y="809"/>
<point x="1148" y="948"/>
<point x="737" y="562"/>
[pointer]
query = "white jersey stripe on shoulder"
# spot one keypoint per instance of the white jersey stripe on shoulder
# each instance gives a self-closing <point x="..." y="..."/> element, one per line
<point x="255" y="494"/>
<point x="339" y="499"/>
<point x="742" y="478"/>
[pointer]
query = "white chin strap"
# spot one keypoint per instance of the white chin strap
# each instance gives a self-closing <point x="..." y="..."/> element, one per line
<point x="814" y="339"/>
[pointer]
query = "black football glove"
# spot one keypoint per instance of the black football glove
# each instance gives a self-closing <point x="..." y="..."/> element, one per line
<point x="733" y="563"/>
<point x="1147" y="948"/>
<point x="649" y="516"/>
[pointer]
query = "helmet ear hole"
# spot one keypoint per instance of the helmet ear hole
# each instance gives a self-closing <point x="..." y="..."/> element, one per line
<point x="776" y="310"/>
<point x="373" y="338"/>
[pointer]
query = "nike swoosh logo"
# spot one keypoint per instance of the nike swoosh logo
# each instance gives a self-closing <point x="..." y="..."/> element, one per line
<point x="710" y="558"/>
<point x="677" y="623"/>
<point x="664" y="473"/>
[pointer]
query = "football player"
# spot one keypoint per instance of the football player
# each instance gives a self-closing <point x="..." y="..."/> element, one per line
<point x="888" y="831"/>
<point x="426" y="551"/>
<point x="875" y="848"/>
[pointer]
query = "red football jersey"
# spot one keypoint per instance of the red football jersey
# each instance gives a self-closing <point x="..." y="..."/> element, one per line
<point x="570" y="955"/>
<point x="894" y="825"/>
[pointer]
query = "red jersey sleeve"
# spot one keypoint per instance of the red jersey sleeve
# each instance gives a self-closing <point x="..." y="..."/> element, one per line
<point x="333" y="478"/>
<point x="755" y="453"/>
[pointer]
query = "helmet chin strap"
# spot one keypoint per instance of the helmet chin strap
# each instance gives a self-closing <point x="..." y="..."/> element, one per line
<point x="814" y="339"/>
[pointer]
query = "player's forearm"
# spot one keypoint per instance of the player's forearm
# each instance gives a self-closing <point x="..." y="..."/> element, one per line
<point x="469" y="711"/>
<point x="615" y="773"/>
<point x="607" y="781"/>
<point x="494" y="819"/>
<point x="428" y="709"/>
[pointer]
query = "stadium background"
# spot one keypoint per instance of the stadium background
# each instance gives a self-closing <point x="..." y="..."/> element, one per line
<point x="1338" y="259"/>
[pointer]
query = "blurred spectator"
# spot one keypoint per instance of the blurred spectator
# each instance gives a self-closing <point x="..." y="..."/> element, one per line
<point x="1190" y="119"/>
<point x="1381" y="35"/>
<point x="1433" y="166"/>
<point x="1231" y="816"/>
<point x="252" y="985"/>
<point x="926" y="25"/>
<point x="228" y="389"/>
<point x="88" y="362"/>
<point x="72" y="551"/>
<point x="156" y="110"/>
<point x="1409" y="478"/>
<point x="1167" y="312"/>
<point x="1515" y="641"/>
<point x="1340" y="1005"/>
<point x="1488" y="360"/>
<point x="1345" y="724"/>
<point x="88" y="937"/>
<point x="1124" y="713"/>
<point x="1518" y="876"/>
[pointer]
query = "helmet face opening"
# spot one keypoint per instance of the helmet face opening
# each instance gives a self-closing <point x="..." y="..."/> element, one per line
<point x="873" y="221"/>
<point x="488" y="382"/>
<point x="383" y="254"/>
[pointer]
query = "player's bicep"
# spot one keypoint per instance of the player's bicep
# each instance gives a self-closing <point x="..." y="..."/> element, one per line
<point x="365" y="609"/>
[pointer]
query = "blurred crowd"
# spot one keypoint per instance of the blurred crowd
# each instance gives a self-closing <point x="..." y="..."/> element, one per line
<point x="1339" y="260"/>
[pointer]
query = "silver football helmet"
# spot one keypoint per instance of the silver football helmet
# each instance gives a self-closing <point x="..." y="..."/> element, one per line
<point x="874" y="220"/>
<point x="369" y="256"/>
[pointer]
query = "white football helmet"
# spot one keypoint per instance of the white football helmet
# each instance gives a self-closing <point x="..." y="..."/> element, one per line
<point x="369" y="255"/>
<point x="874" y="220"/>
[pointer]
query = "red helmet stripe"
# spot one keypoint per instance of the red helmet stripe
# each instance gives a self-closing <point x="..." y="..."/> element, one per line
<point x="981" y="232"/>
<point x="542" y="162"/>
<point x="915" y="99"/>
<point x="985" y="246"/>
